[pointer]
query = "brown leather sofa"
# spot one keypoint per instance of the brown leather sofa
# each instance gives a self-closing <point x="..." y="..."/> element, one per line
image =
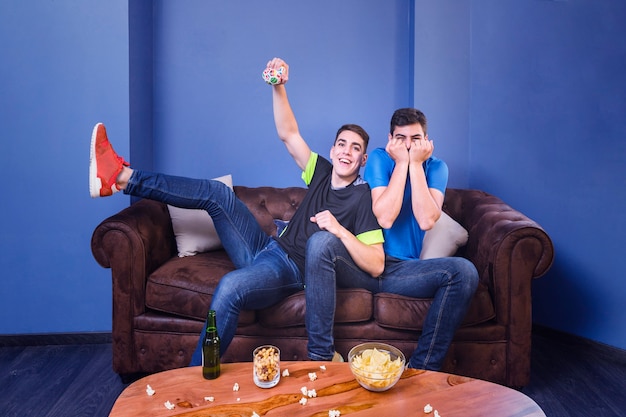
<point x="160" y="300"/>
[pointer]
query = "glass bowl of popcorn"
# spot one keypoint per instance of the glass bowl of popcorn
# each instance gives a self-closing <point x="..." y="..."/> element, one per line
<point x="376" y="366"/>
<point x="266" y="366"/>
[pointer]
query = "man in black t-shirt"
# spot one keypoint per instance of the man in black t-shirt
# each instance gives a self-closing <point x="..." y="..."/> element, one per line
<point x="334" y="224"/>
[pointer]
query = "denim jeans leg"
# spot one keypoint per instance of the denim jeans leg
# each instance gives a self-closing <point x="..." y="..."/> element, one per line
<point x="269" y="279"/>
<point x="327" y="265"/>
<point x="240" y="233"/>
<point x="451" y="282"/>
<point x="264" y="273"/>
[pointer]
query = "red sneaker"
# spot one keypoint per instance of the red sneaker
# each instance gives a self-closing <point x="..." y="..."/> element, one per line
<point x="104" y="164"/>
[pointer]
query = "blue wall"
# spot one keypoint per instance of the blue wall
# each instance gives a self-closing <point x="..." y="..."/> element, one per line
<point x="442" y="80"/>
<point x="560" y="98"/>
<point x="548" y="134"/>
<point x="534" y="94"/>
<point x="212" y="111"/>
<point x="64" y="66"/>
<point x="525" y="100"/>
<point x="179" y="86"/>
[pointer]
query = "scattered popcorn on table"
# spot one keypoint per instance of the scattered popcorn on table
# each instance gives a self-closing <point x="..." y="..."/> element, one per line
<point x="428" y="409"/>
<point x="303" y="390"/>
<point x="437" y="413"/>
<point x="312" y="376"/>
<point x="236" y="387"/>
<point x="334" y="413"/>
<point x="303" y="400"/>
<point x="210" y="399"/>
<point x="286" y="372"/>
<point x="311" y="393"/>
<point x="150" y="391"/>
<point x="169" y="405"/>
<point x="238" y="399"/>
<point x="254" y="414"/>
<point x="323" y="367"/>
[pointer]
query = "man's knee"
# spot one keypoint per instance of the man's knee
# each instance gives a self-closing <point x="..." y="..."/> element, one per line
<point x="467" y="273"/>
<point x="323" y="245"/>
<point x="229" y="290"/>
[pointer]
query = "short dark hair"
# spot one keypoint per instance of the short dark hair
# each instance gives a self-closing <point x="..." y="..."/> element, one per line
<point x="356" y="129"/>
<point x="407" y="116"/>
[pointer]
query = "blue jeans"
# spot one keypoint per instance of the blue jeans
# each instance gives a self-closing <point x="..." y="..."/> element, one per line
<point x="264" y="275"/>
<point x="451" y="282"/>
<point x="326" y="255"/>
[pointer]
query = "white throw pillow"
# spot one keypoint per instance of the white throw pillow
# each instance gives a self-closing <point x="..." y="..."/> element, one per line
<point x="194" y="229"/>
<point x="444" y="239"/>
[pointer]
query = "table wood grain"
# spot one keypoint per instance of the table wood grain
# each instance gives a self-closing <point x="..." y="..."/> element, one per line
<point x="336" y="389"/>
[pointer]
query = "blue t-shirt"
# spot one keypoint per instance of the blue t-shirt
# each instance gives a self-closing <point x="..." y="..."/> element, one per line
<point x="404" y="239"/>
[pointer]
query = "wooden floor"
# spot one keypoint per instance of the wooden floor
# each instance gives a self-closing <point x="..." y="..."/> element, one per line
<point x="570" y="376"/>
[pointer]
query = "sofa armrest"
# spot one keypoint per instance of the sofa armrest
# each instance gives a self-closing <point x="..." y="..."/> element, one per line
<point x="133" y="243"/>
<point x="508" y="248"/>
<point x="145" y="227"/>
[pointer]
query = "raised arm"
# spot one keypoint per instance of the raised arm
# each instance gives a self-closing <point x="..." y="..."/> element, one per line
<point x="284" y="119"/>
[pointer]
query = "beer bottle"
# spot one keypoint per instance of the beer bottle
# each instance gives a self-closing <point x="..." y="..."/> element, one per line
<point x="211" y="349"/>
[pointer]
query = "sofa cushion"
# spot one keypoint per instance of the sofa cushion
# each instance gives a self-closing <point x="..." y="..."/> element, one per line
<point x="444" y="239"/>
<point x="405" y="313"/>
<point x="353" y="306"/>
<point x="185" y="286"/>
<point x="194" y="229"/>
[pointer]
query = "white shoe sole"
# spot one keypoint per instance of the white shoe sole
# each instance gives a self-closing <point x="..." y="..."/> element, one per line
<point x="95" y="184"/>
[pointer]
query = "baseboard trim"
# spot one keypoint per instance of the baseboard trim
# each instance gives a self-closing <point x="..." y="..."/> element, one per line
<point x="46" y="339"/>
<point x="91" y="338"/>
<point x="573" y="339"/>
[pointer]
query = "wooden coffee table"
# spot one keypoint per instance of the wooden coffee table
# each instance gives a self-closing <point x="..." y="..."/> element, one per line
<point x="336" y="389"/>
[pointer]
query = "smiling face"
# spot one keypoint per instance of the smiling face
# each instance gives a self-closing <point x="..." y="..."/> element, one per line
<point x="348" y="156"/>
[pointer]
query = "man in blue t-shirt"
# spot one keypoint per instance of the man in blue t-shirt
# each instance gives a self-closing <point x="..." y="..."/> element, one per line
<point x="333" y="224"/>
<point x="408" y="186"/>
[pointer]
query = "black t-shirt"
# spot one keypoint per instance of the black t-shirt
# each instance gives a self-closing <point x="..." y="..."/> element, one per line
<point x="351" y="206"/>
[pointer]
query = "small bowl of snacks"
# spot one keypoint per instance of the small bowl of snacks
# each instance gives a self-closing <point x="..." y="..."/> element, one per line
<point x="266" y="366"/>
<point x="376" y="366"/>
